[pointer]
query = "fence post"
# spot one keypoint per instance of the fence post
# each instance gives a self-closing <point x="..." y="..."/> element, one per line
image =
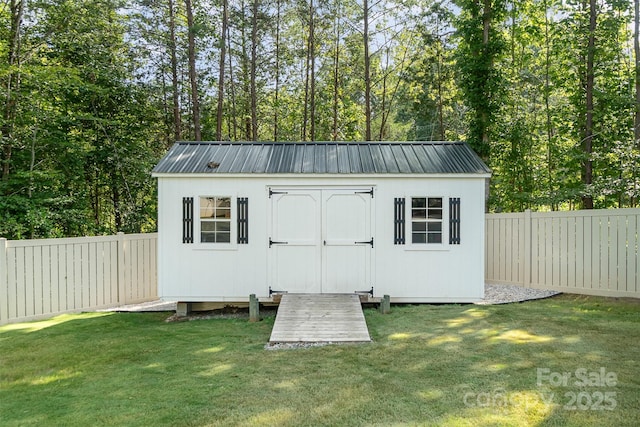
<point x="122" y="276"/>
<point x="527" y="249"/>
<point x="4" y="292"/>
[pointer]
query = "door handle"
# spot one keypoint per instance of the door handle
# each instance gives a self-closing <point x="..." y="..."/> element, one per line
<point x="271" y="242"/>
<point x="368" y="242"/>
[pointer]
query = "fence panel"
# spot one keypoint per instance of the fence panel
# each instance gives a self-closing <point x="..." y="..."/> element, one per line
<point x="40" y="278"/>
<point x="590" y="252"/>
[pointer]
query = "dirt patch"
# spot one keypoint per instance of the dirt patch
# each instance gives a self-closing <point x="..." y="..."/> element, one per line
<point x="228" y="312"/>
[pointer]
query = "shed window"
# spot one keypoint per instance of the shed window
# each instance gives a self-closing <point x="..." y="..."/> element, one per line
<point x="215" y="219"/>
<point x="426" y="220"/>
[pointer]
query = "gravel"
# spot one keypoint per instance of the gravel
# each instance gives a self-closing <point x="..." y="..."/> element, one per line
<point x="505" y="294"/>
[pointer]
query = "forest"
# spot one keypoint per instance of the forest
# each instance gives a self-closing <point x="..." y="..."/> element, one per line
<point x="94" y="92"/>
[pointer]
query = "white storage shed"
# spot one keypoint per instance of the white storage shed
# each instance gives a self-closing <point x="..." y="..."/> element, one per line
<point x="399" y="218"/>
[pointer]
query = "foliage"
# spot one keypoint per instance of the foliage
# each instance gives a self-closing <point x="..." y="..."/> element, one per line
<point x="93" y="92"/>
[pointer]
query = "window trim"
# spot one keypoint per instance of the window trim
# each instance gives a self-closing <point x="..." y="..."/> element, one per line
<point x="410" y="245"/>
<point x="232" y="223"/>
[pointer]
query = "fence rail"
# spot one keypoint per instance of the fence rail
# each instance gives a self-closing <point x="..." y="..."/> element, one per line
<point x="589" y="252"/>
<point x="40" y="278"/>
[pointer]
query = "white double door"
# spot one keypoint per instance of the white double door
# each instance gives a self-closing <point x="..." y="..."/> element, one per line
<point x="321" y="240"/>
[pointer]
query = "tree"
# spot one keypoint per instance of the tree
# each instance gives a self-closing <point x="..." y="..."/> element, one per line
<point x="223" y="51"/>
<point x="193" y="75"/>
<point x="636" y="51"/>
<point x="589" y="82"/>
<point x="481" y="45"/>
<point x="11" y="84"/>
<point x="175" y="94"/>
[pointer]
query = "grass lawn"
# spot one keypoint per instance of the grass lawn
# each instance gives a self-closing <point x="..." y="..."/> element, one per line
<point x="568" y="360"/>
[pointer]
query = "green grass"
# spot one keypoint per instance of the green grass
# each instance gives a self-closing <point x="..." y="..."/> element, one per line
<point x="428" y="365"/>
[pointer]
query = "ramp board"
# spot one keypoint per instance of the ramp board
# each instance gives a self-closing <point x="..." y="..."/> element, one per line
<point x="319" y="318"/>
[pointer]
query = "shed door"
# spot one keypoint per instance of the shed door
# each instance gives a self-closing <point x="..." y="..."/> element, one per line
<point x="295" y="249"/>
<point x="347" y="242"/>
<point x="321" y="241"/>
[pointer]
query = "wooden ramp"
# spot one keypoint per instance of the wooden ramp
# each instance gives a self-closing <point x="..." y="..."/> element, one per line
<point x="319" y="318"/>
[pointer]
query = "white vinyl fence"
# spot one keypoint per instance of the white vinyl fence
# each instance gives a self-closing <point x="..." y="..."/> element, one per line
<point x="40" y="278"/>
<point x="593" y="252"/>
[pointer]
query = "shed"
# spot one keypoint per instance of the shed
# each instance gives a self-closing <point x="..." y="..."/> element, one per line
<point x="399" y="218"/>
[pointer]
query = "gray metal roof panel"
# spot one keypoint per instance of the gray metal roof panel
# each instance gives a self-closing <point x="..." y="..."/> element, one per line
<point x="321" y="158"/>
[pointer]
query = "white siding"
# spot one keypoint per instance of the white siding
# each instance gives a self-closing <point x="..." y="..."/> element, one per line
<point x="202" y="272"/>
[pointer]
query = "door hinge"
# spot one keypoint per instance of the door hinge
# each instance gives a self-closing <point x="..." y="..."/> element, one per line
<point x="271" y="242"/>
<point x="368" y="242"/>
<point x="366" y="192"/>
<point x="271" y="192"/>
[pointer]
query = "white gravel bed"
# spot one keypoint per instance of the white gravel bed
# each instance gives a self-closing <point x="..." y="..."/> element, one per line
<point x="505" y="294"/>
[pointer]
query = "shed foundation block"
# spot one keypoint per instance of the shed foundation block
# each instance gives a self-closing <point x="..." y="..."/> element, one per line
<point x="385" y="305"/>
<point x="183" y="308"/>
<point x="254" y="308"/>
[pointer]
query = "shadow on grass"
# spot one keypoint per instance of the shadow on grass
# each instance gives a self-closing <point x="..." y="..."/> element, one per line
<point x="433" y="365"/>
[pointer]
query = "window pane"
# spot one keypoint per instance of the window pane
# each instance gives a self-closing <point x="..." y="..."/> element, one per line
<point x="224" y="202"/>
<point x="435" y="202"/>
<point x="207" y="237"/>
<point x="418" y="238"/>
<point x="223" y="213"/>
<point x="223" y="226"/>
<point x="435" y="213"/>
<point x="224" y="237"/>
<point x="435" y="238"/>
<point x="419" y="202"/>
<point x="434" y="226"/>
<point x="208" y="225"/>
<point x="418" y="213"/>
<point x="207" y="207"/>
<point x="419" y="226"/>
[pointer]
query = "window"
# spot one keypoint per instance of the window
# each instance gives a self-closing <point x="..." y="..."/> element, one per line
<point x="215" y="219"/>
<point x="426" y="220"/>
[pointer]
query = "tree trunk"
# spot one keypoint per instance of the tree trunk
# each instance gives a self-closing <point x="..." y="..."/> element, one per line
<point x="636" y="50"/>
<point x="233" y="119"/>
<point x="587" y="142"/>
<point x="276" y="105"/>
<point x="486" y="32"/>
<point x="254" y="59"/>
<point x="307" y="77"/>
<point x="177" y="119"/>
<point x="246" y="77"/>
<point x="223" y="51"/>
<point x="367" y="73"/>
<point x="336" y="79"/>
<point x="312" y="57"/>
<point x="547" y="107"/>
<point x="193" y="77"/>
<point x="440" y="78"/>
<point x="12" y="85"/>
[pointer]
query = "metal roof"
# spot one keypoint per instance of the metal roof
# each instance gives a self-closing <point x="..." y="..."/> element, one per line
<point x="321" y="158"/>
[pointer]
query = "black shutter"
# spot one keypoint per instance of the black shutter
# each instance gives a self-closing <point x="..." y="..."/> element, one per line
<point x="187" y="220"/>
<point x="454" y="221"/>
<point x="399" y="223"/>
<point x="243" y="220"/>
